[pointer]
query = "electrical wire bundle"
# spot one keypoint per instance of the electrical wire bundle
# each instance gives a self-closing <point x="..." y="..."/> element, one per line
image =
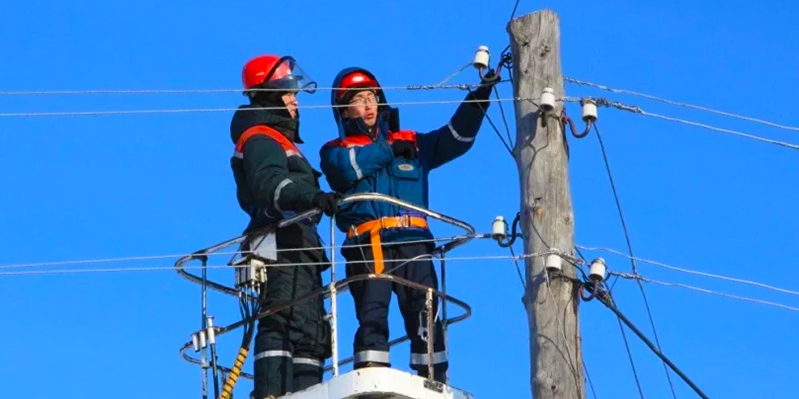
<point x="249" y="307"/>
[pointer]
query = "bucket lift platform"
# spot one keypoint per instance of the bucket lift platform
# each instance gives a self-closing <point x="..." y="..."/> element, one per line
<point x="366" y="383"/>
<point x="379" y="383"/>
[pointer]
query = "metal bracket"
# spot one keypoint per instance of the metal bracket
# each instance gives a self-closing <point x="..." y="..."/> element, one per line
<point x="434" y="386"/>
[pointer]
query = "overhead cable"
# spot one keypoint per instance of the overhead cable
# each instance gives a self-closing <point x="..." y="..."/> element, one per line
<point x="695" y="272"/>
<point x="606" y="300"/>
<point x="211" y="110"/>
<point x="703" y="290"/>
<point x="630" y="250"/>
<point x="415" y="87"/>
<point x="637" y="110"/>
<point x="290" y="264"/>
<point x="174" y="256"/>
<point x="681" y="104"/>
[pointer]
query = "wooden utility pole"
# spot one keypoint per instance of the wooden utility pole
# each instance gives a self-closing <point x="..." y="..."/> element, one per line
<point x="547" y="218"/>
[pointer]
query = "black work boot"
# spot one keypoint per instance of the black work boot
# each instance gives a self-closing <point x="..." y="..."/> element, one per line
<point x="364" y="365"/>
<point x="306" y="376"/>
<point x="273" y="377"/>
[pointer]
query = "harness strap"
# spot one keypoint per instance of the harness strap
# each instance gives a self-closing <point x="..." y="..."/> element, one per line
<point x="374" y="227"/>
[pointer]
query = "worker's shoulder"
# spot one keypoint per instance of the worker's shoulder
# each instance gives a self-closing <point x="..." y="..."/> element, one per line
<point x="358" y="140"/>
<point x="263" y="144"/>
<point x="333" y="144"/>
<point x="263" y="140"/>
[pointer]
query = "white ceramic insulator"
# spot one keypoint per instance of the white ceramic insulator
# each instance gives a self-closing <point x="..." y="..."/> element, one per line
<point x="195" y="342"/>
<point x="598" y="268"/>
<point x="589" y="111"/>
<point x="210" y="332"/>
<point x="211" y="335"/>
<point x="498" y="228"/>
<point x="548" y="99"/>
<point x="481" y="57"/>
<point x="202" y="338"/>
<point x="554" y="261"/>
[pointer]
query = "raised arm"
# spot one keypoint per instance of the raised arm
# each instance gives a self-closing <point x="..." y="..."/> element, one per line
<point x="457" y="136"/>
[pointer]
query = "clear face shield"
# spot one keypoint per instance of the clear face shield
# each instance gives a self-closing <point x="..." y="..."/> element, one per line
<point x="287" y="75"/>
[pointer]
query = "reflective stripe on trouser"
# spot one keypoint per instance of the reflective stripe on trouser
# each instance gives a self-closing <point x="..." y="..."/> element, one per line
<point x="284" y="373"/>
<point x="440" y="363"/>
<point x="374" y="356"/>
<point x="420" y="359"/>
<point x="307" y="372"/>
<point x="297" y="332"/>
<point x="273" y="373"/>
<point x="272" y="353"/>
<point x="372" y="298"/>
<point x="307" y="361"/>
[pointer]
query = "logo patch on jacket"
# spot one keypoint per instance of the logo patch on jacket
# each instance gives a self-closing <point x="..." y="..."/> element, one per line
<point x="405" y="167"/>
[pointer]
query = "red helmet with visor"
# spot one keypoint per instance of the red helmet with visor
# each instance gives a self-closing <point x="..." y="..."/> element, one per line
<point x="277" y="73"/>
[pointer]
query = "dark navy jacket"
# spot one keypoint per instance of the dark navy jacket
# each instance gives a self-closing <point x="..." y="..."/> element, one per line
<point x="273" y="179"/>
<point x="356" y="163"/>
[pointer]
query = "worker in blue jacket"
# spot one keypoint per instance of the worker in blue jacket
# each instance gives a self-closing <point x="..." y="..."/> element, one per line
<point x="372" y="155"/>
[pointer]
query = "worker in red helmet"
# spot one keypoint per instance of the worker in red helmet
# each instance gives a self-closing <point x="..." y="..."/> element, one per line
<point x="275" y="181"/>
<point x="372" y="155"/>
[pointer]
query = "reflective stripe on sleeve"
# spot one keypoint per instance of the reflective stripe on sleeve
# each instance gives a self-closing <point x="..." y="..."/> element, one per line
<point x="458" y="136"/>
<point x="354" y="164"/>
<point x="280" y="187"/>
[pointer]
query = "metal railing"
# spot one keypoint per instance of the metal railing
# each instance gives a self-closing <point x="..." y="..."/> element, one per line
<point x="330" y="290"/>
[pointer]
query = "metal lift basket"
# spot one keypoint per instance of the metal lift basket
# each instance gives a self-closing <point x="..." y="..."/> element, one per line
<point x="378" y="383"/>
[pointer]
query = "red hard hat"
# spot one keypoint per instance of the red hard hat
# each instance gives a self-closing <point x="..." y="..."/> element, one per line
<point x="281" y="73"/>
<point x="355" y="79"/>
<point x="256" y="70"/>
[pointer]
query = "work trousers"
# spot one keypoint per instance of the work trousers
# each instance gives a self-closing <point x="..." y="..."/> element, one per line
<point x="292" y="344"/>
<point x="372" y="298"/>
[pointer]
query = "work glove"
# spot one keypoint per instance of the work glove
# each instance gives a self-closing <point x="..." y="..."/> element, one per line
<point x="404" y="148"/>
<point x="327" y="202"/>
<point x="483" y="92"/>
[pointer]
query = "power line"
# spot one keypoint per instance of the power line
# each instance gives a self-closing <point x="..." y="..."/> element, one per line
<point x="415" y="87"/>
<point x="615" y="195"/>
<point x="518" y="269"/>
<point x="514" y="10"/>
<point x="107" y="260"/>
<point x="608" y="302"/>
<point x="703" y="290"/>
<point x="437" y="86"/>
<point x="505" y="121"/>
<point x="630" y="249"/>
<point x="623" y="335"/>
<point x="454" y="74"/>
<point x="637" y="110"/>
<point x="698" y="273"/>
<point x="723" y="130"/>
<point x="681" y="104"/>
<point x="630" y="356"/>
<point x="590" y="382"/>
<point x="210" y="110"/>
<point x="496" y="130"/>
<point x="494" y="126"/>
<point x="291" y="264"/>
<point x="279" y="250"/>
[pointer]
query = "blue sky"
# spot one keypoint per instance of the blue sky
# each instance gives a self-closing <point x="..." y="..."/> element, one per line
<point x="87" y="187"/>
